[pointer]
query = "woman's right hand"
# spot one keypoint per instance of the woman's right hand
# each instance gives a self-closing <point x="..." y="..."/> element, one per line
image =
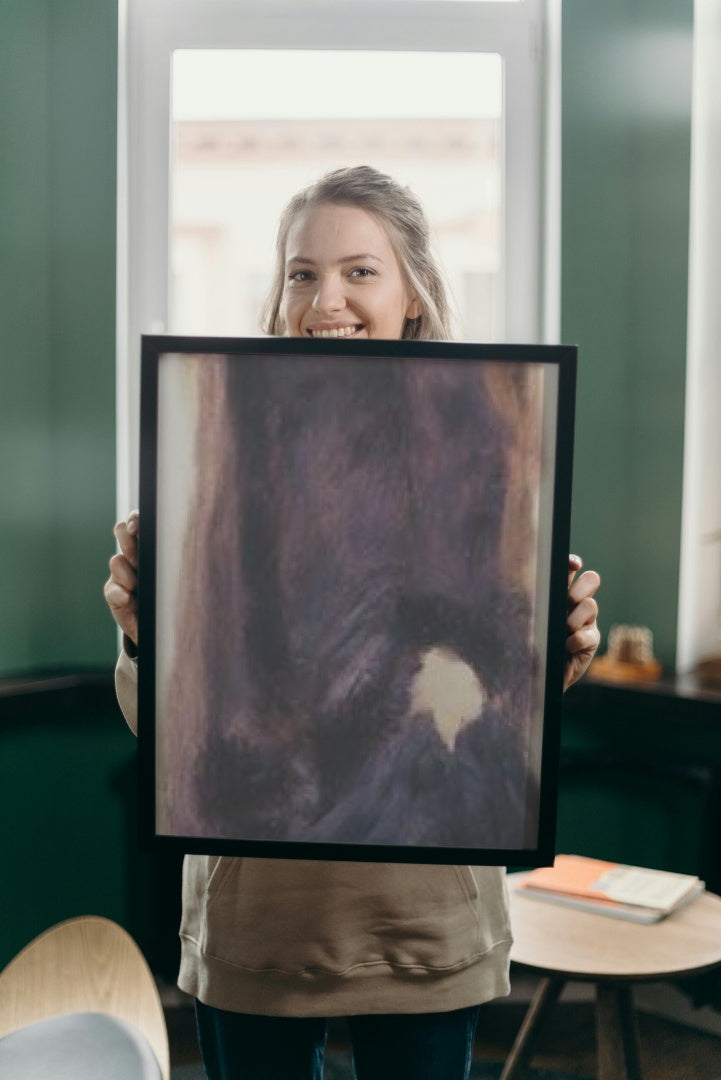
<point x="121" y="587"/>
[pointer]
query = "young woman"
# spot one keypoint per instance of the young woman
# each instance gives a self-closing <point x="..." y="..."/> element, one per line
<point x="272" y="948"/>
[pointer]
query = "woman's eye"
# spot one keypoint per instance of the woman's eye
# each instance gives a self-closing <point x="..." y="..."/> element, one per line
<point x="362" y="272"/>
<point x="300" y="276"/>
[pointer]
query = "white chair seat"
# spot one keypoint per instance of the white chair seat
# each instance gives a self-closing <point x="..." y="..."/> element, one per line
<point x="78" y="1046"/>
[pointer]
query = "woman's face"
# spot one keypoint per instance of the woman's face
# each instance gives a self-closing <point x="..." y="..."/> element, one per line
<point x="342" y="277"/>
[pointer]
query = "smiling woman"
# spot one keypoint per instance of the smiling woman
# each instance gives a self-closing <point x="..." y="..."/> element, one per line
<point x="381" y="611"/>
<point x="350" y="533"/>
<point x="353" y="259"/>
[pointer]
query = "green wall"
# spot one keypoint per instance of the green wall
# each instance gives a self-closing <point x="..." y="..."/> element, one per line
<point x="67" y="761"/>
<point x="58" y="71"/>
<point x="625" y="201"/>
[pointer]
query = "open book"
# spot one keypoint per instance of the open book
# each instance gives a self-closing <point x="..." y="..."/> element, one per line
<point x="608" y="888"/>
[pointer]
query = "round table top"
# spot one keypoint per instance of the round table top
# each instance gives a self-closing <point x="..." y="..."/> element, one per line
<point x="559" y="940"/>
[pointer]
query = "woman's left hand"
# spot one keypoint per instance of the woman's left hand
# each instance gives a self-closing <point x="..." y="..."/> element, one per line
<point x="582" y="634"/>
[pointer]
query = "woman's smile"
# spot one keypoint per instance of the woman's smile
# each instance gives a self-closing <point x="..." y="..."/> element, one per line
<point x="335" y="331"/>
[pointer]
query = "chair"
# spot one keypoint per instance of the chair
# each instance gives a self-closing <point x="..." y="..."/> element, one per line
<point x="80" y="1002"/>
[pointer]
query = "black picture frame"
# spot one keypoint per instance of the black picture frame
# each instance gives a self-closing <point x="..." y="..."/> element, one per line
<point x="353" y="573"/>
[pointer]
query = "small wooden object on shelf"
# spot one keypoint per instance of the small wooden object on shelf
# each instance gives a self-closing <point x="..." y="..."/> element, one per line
<point x="629" y="657"/>
<point x="708" y="671"/>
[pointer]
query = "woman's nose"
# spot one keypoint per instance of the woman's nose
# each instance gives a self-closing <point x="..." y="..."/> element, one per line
<point x="329" y="296"/>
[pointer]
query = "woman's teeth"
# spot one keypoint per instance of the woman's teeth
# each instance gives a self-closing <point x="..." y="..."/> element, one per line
<point x="337" y="331"/>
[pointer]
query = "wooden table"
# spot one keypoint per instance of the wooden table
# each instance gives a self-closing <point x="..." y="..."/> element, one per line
<point x="563" y="944"/>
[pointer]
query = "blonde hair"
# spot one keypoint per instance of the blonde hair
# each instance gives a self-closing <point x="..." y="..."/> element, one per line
<point x="403" y="217"/>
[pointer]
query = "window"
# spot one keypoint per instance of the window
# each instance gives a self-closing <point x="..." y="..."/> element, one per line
<point x="236" y="161"/>
<point x="227" y="107"/>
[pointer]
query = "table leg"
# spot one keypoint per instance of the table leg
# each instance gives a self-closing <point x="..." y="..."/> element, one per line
<point x="545" y="997"/>
<point x="617" y="1033"/>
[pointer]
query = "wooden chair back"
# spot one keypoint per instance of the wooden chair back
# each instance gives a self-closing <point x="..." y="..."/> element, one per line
<point x="87" y="964"/>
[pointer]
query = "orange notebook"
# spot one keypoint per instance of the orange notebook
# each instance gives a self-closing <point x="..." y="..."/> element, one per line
<point x="632" y="892"/>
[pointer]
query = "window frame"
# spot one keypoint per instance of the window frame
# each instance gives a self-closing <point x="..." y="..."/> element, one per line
<point x="698" y="632"/>
<point x="526" y="34"/>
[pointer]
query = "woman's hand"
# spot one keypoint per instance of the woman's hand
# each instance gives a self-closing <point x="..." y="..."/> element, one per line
<point x="583" y="635"/>
<point x="121" y="587"/>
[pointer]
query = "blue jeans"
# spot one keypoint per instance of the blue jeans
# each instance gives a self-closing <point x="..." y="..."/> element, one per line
<point x="416" y="1046"/>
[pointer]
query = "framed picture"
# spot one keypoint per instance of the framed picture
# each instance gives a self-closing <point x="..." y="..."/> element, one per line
<point x="353" y="572"/>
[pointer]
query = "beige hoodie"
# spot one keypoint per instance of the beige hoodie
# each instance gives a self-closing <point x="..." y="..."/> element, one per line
<point x="287" y="937"/>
